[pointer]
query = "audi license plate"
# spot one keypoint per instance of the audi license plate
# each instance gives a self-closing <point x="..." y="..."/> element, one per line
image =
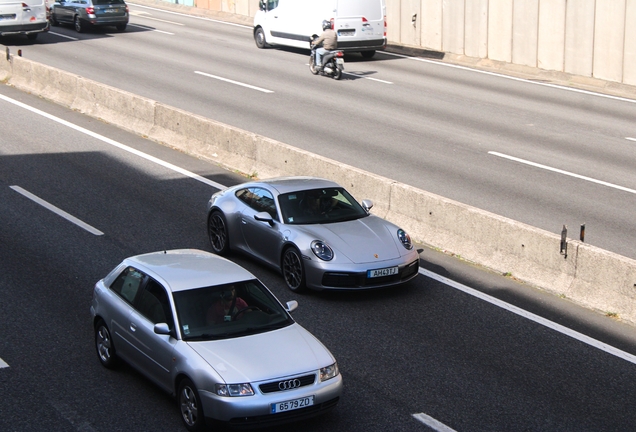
<point x="292" y="404"/>
<point x="382" y="272"/>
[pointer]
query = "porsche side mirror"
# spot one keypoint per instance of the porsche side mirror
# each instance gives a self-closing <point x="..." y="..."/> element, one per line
<point x="264" y="217"/>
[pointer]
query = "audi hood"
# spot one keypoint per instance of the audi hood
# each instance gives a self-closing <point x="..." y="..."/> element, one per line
<point x="265" y="356"/>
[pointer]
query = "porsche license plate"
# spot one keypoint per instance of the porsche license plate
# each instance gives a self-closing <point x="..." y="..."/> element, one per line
<point x="292" y="404"/>
<point x="382" y="272"/>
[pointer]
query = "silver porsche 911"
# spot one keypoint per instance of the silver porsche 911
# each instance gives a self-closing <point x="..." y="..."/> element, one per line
<point x="206" y="330"/>
<point x="314" y="232"/>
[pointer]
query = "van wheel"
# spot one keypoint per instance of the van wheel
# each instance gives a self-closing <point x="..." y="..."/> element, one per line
<point x="259" y="38"/>
<point x="368" y="54"/>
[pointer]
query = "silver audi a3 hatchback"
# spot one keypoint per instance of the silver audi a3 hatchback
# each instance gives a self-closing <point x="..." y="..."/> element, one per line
<point x="207" y="331"/>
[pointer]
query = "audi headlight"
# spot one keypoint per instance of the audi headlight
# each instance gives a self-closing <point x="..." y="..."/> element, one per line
<point x="405" y="239"/>
<point x="244" y="389"/>
<point x="322" y="250"/>
<point x="329" y="372"/>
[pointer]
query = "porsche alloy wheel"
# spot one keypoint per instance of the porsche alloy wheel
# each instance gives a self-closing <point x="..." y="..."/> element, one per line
<point x="217" y="232"/>
<point x="293" y="270"/>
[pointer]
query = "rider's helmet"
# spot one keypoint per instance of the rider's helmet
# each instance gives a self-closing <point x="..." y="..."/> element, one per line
<point x="326" y="25"/>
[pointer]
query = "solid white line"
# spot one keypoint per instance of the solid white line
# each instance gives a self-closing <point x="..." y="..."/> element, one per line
<point x="116" y="144"/>
<point x="57" y="211"/>
<point x="560" y="171"/>
<point x="234" y="82"/>
<point x="532" y="317"/>
<point x="630" y="138"/>
<point x="432" y="423"/>
<point x="572" y="89"/>
<point x="3" y="364"/>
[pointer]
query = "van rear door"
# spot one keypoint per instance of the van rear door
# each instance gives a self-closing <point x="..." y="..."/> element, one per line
<point x="360" y="24"/>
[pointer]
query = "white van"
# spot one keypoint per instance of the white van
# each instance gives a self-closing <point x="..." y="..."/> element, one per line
<point x="25" y="17"/>
<point x="359" y="24"/>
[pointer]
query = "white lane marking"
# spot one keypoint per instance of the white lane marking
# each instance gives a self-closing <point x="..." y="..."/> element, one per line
<point x="532" y="317"/>
<point x="432" y="423"/>
<point x="63" y="35"/>
<point x="190" y="16"/>
<point x="366" y="77"/>
<point x="630" y="138"/>
<point x="560" y="171"/>
<point x="3" y="364"/>
<point x="76" y="420"/>
<point x="234" y="82"/>
<point x="116" y="144"/>
<point x="145" y="15"/>
<point x="150" y="29"/>
<point x="57" y="211"/>
<point x="572" y="89"/>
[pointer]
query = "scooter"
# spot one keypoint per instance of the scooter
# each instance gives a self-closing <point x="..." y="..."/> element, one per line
<point x="333" y="64"/>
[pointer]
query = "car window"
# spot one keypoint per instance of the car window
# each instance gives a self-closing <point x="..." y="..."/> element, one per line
<point x="259" y="199"/>
<point x="108" y="2"/>
<point x="153" y="303"/>
<point x="226" y="311"/>
<point x="127" y="284"/>
<point x="319" y="206"/>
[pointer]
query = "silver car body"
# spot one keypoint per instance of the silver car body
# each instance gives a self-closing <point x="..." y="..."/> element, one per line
<point x="263" y="359"/>
<point x="360" y="245"/>
<point x="28" y="17"/>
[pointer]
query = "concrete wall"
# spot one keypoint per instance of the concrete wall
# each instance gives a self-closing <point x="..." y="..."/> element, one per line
<point x="590" y="38"/>
<point x="592" y="277"/>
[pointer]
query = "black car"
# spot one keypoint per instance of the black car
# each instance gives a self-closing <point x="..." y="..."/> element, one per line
<point x="86" y="13"/>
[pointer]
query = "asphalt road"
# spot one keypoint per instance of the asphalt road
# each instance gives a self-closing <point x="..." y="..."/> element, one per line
<point x="433" y="348"/>
<point x="539" y="154"/>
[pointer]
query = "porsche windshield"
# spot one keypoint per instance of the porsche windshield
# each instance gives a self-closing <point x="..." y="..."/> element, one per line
<point x="319" y="206"/>
<point x="226" y="311"/>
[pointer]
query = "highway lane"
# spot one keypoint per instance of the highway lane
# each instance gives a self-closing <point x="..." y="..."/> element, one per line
<point x="425" y="348"/>
<point x="431" y="125"/>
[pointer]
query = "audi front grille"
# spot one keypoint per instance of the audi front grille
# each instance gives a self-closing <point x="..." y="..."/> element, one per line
<point x="288" y="384"/>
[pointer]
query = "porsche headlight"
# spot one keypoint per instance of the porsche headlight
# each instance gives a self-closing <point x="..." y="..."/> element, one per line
<point x="322" y="250"/>
<point x="329" y="372"/>
<point x="405" y="239"/>
<point x="244" y="389"/>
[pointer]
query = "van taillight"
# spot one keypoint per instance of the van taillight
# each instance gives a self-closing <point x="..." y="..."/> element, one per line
<point x="364" y="19"/>
<point x="331" y="21"/>
<point x="385" y="26"/>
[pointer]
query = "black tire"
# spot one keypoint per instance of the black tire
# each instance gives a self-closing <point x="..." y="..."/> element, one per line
<point x="259" y="38"/>
<point x="104" y="346"/>
<point x="293" y="270"/>
<point x="190" y="406"/>
<point x="77" y="22"/>
<point x="368" y="54"/>
<point x="312" y="65"/>
<point x="337" y="73"/>
<point x="217" y="233"/>
<point x="121" y="27"/>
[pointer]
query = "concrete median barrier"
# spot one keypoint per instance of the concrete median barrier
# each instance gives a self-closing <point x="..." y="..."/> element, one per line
<point x="589" y="276"/>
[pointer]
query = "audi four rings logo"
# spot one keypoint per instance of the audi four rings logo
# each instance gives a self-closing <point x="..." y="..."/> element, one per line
<point x="289" y="384"/>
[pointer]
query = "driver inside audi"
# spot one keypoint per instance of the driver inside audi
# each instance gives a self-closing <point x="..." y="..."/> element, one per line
<point x="329" y="41"/>
<point x="226" y="307"/>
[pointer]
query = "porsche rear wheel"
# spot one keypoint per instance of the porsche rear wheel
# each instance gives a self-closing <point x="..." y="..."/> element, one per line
<point x="293" y="270"/>
<point x="217" y="232"/>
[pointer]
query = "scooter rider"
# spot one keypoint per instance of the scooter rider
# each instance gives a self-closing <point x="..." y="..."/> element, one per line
<point x="329" y="42"/>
